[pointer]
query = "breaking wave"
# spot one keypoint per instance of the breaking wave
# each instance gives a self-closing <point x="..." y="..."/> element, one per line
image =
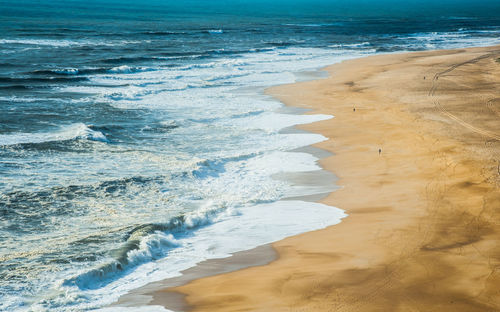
<point x="77" y="131"/>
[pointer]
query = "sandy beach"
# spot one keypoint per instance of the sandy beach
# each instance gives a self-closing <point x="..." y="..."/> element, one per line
<point x="415" y="143"/>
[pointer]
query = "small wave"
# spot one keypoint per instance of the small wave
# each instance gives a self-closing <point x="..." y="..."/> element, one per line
<point x="69" y="71"/>
<point x="248" y="114"/>
<point x="162" y="33"/>
<point x="66" y="133"/>
<point x="463" y="18"/>
<point x="232" y="117"/>
<point x="186" y="54"/>
<point x="214" y="167"/>
<point x="351" y="45"/>
<point x="169" y="124"/>
<point x="63" y="43"/>
<point x="161" y="127"/>
<point x="315" y="24"/>
<point x="215" y="31"/>
<point x="229" y="62"/>
<point x="136" y="251"/>
<point x="129" y="59"/>
<point x="124" y="69"/>
<point x="16" y="99"/>
<point x="39" y="42"/>
<point x="145" y="243"/>
<point x="66" y="71"/>
<point x="59" y="72"/>
<point x="207" y="54"/>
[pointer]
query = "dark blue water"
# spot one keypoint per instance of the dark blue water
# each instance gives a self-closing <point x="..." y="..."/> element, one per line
<point x="126" y="126"/>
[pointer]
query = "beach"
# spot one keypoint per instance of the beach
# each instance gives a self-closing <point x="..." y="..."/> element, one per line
<point x="414" y="143"/>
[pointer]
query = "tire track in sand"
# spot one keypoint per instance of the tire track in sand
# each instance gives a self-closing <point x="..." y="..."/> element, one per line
<point x="453" y="117"/>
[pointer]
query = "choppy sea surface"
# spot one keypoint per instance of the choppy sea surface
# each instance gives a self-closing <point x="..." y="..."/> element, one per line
<point x="136" y="140"/>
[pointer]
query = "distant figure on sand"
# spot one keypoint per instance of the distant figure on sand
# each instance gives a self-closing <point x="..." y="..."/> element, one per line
<point x="354" y="109"/>
<point x="379" y="151"/>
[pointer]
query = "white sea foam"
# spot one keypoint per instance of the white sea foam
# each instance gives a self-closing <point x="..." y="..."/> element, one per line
<point x="39" y="42"/>
<point x="252" y="226"/>
<point x="121" y="69"/>
<point x="351" y="45"/>
<point x="67" y="71"/>
<point x="124" y="69"/>
<point x="229" y="186"/>
<point x="272" y="122"/>
<point x="64" y="42"/>
<point x="445" y="40"/>
<point x="70" y="132"/>
<point x="214" y="230"/>
<point x="210" y="85"/>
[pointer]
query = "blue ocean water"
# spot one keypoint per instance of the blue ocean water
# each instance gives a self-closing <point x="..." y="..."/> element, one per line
<point x="129" y="130"/>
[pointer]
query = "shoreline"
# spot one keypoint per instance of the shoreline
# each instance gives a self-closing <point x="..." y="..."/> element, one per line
<point x="153" y="295"/>
<point x="158" y="294"/>
<point x="401" y="268"/>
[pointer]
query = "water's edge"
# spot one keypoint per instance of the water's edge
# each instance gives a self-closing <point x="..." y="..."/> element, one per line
<point x="159" y="293"/>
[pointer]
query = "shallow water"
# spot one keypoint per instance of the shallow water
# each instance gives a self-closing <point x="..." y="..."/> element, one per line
<point x="130" y="133"/>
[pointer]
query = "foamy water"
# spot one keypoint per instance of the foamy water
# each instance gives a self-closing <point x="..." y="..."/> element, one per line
<point x="204" y="191"/>
<point x="70" y="132"/>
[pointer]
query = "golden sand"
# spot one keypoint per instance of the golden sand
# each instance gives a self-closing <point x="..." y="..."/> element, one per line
<point x="416" y="143"/>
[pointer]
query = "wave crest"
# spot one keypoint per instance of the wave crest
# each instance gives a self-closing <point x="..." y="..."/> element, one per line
<point x="146" y="243"/>
<point x="77" y="131"/>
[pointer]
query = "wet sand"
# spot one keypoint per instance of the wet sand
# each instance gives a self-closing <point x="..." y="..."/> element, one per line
<point x="149" y="294"/>
<point x="416" y="147"/>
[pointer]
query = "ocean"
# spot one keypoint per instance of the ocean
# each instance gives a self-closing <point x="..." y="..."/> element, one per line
<point x="136" y="139"/>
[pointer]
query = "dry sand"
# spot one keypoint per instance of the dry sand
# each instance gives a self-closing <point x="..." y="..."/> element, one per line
<point x="423" y="232"/>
